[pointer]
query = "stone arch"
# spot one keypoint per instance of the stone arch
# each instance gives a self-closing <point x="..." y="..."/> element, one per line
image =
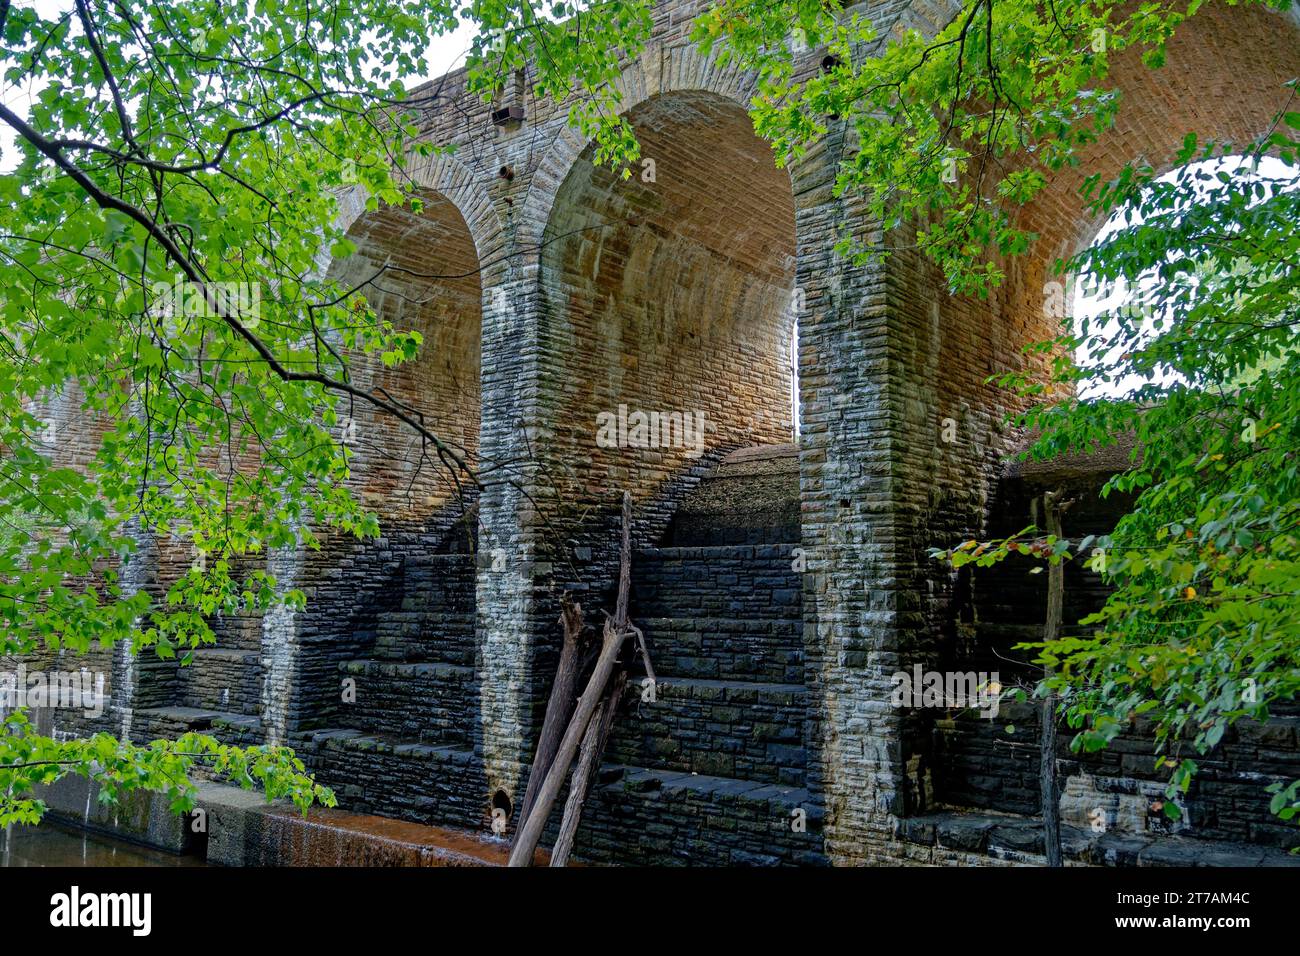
<point x="660" y="70"/>
<point x="889" y="359"/>
<point x="444" y="174"/>
<point x="422" y="271"/>
<point x="391" y="622"/>
<point x="669" y="294"/>
<point x="1223" y="79"/>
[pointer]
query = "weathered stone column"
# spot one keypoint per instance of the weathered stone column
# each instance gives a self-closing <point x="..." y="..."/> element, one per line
<point x="506" y="535"/>
<point x="279" y="647"/>
<point x="853" y="631"/>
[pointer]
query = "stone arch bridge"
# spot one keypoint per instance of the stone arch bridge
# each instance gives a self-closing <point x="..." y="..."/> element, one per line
<point x="781" y="584"/>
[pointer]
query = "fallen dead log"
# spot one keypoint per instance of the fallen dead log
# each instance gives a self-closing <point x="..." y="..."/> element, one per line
<point x="589" y="754"/>
<point x="530" y="829"/>
<point x="559" y="707"/>
<point x="591" y="751"/>
<point x="597" y="698"/>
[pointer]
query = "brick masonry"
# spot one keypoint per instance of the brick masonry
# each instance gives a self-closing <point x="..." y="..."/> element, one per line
<point x="978" y="764"/>
<point x="578" y="293"/>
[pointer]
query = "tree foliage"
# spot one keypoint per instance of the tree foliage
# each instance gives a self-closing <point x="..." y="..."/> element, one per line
<point x="177" y="183"/>
<point x="1203" y="625"/>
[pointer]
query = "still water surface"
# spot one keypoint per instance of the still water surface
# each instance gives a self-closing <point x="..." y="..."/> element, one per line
<point x="52" y="844"/>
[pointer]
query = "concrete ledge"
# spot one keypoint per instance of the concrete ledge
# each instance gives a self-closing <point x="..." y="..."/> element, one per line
<point x="243" y="830"/>
<point x="144" y="818"/>
<point x="1018" y="839"/>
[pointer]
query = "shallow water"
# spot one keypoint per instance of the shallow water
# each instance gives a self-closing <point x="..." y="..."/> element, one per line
<point x="52" y="844"/>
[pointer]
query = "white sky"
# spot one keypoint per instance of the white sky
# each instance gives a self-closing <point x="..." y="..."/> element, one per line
<point x="1088" y="305"/>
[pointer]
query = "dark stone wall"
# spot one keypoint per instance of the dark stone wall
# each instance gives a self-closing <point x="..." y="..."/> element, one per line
<point x="427" y="783"/>
<point x="978" y="764"/>
<point x="402" y="736"/>
<point x="713" y="769"/>
<point x="660" y="818"/>
<point x="721" y="728"/>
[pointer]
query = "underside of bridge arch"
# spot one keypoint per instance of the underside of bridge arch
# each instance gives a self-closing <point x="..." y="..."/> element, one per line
<point x="386" y="643"/>
<point x="668" y="303"/>
<point x="1224" y="80"/>
<point x="417" y="267"/>
<point x="374" y="683"/>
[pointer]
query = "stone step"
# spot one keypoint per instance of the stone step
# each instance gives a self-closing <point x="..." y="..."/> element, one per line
<point x="362" y="741"/>
<point x="755" y="582"/>
<point x="726" y="728"/>
<point x="634" y="815"/>
<point x="424" y="701"/>
<point x="767" y="551"/>
<point x="751" y="497"/>
<point x="646" y="817"/>
<point x="399" y="777"/>
<point x="432" y="634"/>
<point x="1017" y="838"/>
<point x="172" y="722"/>
<point x="726" y="648"/>
<point x="227" y="680"/>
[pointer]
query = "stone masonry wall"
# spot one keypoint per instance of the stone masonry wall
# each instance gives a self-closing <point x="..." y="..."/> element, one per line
<point x="980" y="765"/>
<point x="675" y="293"/>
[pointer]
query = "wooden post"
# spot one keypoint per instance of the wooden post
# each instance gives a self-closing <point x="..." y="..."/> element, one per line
<point x="1050" y="791"/>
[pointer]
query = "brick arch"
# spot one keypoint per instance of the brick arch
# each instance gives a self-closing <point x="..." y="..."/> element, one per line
<point x="659" y="71"/>
<point x="671" y="293"/>
<point x="434" y="285"/>
<point x="1223" y="79"/>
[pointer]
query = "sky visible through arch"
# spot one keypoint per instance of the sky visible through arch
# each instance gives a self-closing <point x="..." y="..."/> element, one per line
<point x="1089" y="303"/>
